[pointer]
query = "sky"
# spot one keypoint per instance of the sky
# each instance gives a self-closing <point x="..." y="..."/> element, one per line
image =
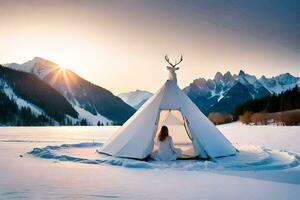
<point x="120" y="44"/>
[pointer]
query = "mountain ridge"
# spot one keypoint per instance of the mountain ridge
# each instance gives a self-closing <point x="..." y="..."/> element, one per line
<point x="96" y="104"/>
<point x="226" y="91"/>
<point x="27" y="91"/>
<point x="135" y="98"/>
<point x="221" y="94"/>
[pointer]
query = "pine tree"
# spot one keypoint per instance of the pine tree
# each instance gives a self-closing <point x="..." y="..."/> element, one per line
<point x="83" y="122"/>
<point x="285" y="101"/>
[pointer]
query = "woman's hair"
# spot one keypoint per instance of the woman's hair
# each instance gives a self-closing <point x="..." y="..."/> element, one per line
<point x="164" y="132"/>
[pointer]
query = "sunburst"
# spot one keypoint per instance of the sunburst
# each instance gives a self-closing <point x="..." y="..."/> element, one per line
<point x="62" y="77"/>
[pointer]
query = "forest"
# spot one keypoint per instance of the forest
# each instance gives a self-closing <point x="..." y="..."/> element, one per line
<point x="282" y="108"/>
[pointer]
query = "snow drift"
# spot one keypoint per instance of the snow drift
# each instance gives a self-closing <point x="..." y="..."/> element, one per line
<point x="250" y="158"/>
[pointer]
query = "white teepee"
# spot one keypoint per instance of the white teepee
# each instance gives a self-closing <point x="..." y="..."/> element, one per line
<point x="168" y="106"/>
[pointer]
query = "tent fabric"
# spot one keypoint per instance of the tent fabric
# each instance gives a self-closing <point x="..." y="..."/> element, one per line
<point x="169" y="105"/>
<point x="170" y="117"/>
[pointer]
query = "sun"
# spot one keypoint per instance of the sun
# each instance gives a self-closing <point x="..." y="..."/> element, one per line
<point x="61" y="68"/>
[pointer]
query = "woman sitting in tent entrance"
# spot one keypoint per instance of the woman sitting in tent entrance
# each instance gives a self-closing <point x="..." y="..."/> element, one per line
<point x="165" y="147"/>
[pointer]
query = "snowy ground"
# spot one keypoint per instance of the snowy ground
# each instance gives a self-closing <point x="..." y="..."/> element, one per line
<point x="267" y="167"/>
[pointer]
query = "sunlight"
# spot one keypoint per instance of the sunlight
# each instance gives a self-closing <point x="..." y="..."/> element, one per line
<point x="62" y="68"/>
<point x="66" y="80"/>
<point x="62" y="77"/>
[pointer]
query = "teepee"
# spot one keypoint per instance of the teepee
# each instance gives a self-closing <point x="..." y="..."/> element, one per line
<point x="172" y="107"/>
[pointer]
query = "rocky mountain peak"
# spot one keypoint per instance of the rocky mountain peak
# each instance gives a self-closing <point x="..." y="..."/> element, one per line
<point x="242" y="73"/>
<point x="200" y="82"/>
<point x="222" y="93"/>
<point x="90" y="101"/>
<point x="286" y="78"/>
<point x="263" y="77"/>
<point x="218" y="76"/>
<point x="227" y="76"/>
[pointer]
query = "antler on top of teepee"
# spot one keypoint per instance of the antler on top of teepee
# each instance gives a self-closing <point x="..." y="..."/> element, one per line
<point x="176" y="63"/>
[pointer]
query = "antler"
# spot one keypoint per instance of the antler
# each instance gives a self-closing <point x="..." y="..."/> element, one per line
<point x="181" y="58"/>
<point x="176" y="63"/>
<point x="168" y="61"/>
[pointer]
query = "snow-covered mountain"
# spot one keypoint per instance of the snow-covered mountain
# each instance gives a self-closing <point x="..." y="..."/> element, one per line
<point x="225" y="92"/>
<point x="38" y="66"/>
<point x="91" y="102"/>
<point x="221" y="94"/>
<point x="24" y="96"/>
<point x="135" y="98"/>
<point x="280" y="83"/>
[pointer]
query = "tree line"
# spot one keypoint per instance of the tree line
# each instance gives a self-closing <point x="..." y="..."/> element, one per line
<point x="288" y="100"/>
<point x="13" y="115"/>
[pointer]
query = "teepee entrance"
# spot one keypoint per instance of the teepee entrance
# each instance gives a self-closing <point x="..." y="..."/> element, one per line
<point x="178" y="130"/>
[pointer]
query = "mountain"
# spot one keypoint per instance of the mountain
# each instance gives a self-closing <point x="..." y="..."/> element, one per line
<point x="280" y="83"/>
<point x="86" y="101"/>
<point x="225" y="92"/>
<point x="136" y="98"/>
<point x="91" y="102"/>
<point x="38" y="66"/>
<point x="27" y="93"/>
<point x="14" y="113"/>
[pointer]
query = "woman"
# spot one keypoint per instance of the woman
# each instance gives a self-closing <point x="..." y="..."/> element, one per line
<point x="166" y="150"/>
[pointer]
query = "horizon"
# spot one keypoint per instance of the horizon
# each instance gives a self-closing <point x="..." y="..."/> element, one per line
<point x="153" y="91"/>
<point x="119" y="45"/>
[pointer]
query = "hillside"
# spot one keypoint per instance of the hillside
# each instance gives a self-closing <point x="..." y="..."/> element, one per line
<point x="31" y="92"/>
<point x="12" y="114"/>
<point x="92" y="102"/>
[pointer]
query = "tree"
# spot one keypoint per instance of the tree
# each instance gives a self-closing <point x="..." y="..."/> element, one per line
<point x="246" y="117"/>
<point x="288" y="100"/>
<point x="83" y="122"/>
<point x="220" y="118"/>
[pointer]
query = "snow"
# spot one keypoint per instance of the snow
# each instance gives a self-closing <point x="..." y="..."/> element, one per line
<point x="277" y="89"/>
<point x="41" y="68"/>
<point x="249" y="78"/>
<point x="274" y="137"/>
<point x="92" y="119"/>
<point x="221" y="95"/>
<point x="249" y="158"/>
<point x="19" y="101"/>
<point x="273" y="173"/>
<point x="25" y="67"/>
<point x="38" y="66"/>
<point x="275" y="84"/>
<point x="280" y="83"/>
<point x="136" y="98"/>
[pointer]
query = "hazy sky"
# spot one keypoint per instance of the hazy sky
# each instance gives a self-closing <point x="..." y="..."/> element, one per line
<point x="120" y="45"/>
